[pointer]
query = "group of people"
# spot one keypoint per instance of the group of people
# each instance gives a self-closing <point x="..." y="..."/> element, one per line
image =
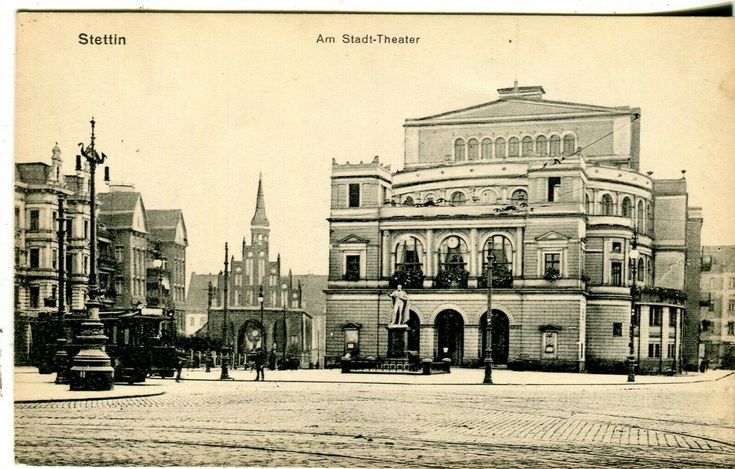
<point x="259" y="362"/>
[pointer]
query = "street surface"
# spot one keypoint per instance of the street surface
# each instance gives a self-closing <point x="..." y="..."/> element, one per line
<point x="244" y="423"/>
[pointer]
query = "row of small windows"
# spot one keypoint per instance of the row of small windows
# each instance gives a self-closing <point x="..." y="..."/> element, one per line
<point x="643" y="215"/>
<point x="460" y="198"/>
<point x="474" y="149"/>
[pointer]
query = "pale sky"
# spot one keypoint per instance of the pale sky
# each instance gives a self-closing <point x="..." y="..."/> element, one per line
<point x="194" y="106"/>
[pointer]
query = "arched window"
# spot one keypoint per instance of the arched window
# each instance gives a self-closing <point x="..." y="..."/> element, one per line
<point x="429" y="199"/>
<point x="459" y="150"/>
<point x="627" y="208"/>
<point x="527" y="147"/>
<point x="607" y="204"/>
<point x="458" y="198"/>
<point x="500" y="147"/>
<point x="569" y="144"/>
<point x="489" y="196"/>
<point x="472" y="149"/>
<point x="554" y="145"/>
<point x="409" y="253"/>
<point x="408" y="200"/>
<point x="453" y="254"/>
<point x="487" y="148"/>
<point x="641" y="273"/>
<point x="519" y="196"/>
<point x="588" y="204"/>
<point x="541" y="149"/>
<point x="640" y="223"/>
<point x="513" y="146"/>
<point x="649" y="218"/>
<point x="502" y="254"/>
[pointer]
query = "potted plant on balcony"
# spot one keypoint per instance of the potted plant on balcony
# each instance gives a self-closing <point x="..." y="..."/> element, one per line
<point x="552" y="274"/>
<point x="455" y="278"/>
<point x="408" y="278"/>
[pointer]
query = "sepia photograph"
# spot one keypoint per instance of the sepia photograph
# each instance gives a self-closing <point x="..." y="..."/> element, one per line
<point x="291" y="239"/>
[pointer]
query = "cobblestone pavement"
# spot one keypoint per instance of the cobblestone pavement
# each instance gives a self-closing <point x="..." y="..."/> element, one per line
<point x="348" y="425"/>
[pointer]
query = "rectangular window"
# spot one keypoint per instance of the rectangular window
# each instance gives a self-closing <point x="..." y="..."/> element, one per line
<point x="35" y="258"/>
<point x="671" y="351"/>
<point x="672" y="317"/>
<point x="554" y="189"/>
<point x="35" y="295"/>
<point x="69" y="229"/>
<point x="85" y="265"/>
<point x="731" y="306"/>
<point x="616" y="273"/>
<point x="731" y="328"/>
<point x="617" y="247"/>
<point x="86" y="229"/>
<point x="617" y="329"/>
<point x="552" y="263"/>
<point x="352" y="267"/>
<point x="354" y="195"/>
<point x="34" y="222"/>
<point x="654" y="350"/>
<point x="69" y="264"/>
<point x="17" y="218"/>
<point x="54" y="259"/>
<point x="654" y="319"/>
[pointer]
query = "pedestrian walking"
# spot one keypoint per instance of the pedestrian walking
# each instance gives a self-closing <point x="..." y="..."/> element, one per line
<point x="179" y="365"/>
<point x="259" y="365"/>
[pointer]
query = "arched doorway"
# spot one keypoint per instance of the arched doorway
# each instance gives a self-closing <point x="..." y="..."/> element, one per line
<point x="414" y="333"/>
<point x="500" y="328"/>
<point x="250" y="338"/>
<point x="449" y="326"/>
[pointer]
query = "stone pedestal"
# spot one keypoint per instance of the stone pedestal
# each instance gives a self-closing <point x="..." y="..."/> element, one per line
<point x="92" y="369"/>
<point x="397" y="340"/>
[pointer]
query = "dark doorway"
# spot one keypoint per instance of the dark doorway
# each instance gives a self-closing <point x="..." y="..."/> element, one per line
<point x="450" y="336"/>
<point x="500" y="329"/>
<point x="250" y="338"/>
<point x="414" y="332"/>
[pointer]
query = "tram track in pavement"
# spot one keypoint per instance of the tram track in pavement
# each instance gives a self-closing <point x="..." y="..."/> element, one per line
<point x="595" y="452"/>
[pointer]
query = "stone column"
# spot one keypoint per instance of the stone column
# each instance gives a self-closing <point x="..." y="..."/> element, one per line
<point x="387" y="264"/>
<point x="426" y="344"/>
<point x="429" y="267"/>
<point x="643" y="333"/>
<point x="665" y="315"/>
<point x="472" y="248"/>
<point x="471" y="342"/>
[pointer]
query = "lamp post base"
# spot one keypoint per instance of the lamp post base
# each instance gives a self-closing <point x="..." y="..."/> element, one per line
<point x="631" y="369"/>
<point x="91" y="368"/>
<point x="225" y="375"/>
<point x="488" y="379"/>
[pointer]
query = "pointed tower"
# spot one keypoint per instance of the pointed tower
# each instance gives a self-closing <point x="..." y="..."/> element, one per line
<point x="259" y="231"/>
<point x="259" y="223"/>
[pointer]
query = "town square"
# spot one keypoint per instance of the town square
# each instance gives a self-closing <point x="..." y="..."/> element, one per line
<point x="250" y="248"/>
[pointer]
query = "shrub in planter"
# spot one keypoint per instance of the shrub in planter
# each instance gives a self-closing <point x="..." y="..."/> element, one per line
<point x="452" y="279"/>
<point x="407" y="279"/>
<point x="552" y="274"/>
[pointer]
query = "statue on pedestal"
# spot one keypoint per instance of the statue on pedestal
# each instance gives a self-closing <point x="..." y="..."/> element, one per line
<point x="400" y="306"/>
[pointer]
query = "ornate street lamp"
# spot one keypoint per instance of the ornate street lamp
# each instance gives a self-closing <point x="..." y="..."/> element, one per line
<point x="262" y="324"/>
<point x="633" y="254"/>
<point x="208" y="358"/>
<point x="92" y="368"/>
<point x="488" y="379"/>
<point x="225" y="336"/>
<point x="285" y="328"/>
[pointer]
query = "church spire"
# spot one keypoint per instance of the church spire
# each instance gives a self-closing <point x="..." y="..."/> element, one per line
<point x="259" y="219"/>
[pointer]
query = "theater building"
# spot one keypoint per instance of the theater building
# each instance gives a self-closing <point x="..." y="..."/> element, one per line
<point x="548" y="193"/>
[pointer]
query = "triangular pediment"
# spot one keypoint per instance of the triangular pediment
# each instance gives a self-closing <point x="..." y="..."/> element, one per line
<point x="552" y="236"/>
<point x="516" y="109"/>
<point x="353" y="239"/>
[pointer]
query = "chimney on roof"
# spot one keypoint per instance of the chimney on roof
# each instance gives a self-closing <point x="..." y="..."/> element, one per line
<point x="521" y="92"/>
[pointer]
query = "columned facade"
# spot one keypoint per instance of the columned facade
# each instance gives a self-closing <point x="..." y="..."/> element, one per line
<point x="558" y="211"/>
